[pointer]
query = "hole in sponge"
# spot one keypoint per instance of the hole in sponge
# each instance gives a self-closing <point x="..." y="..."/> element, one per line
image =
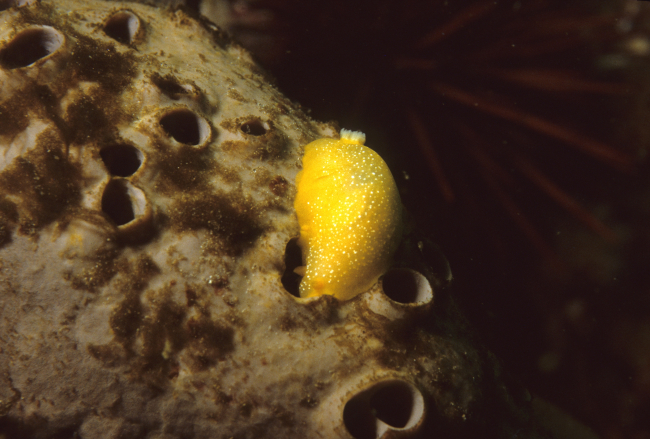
<point x="254" y="127"/>
<point x="122" y="27"/>
<point x="29" y="46"/>
<point x="393" y="404"/>
<point x="121" y="160"/>
<point x="123" y="202"/>
<point x="169" y="86"/>
<point x="407" y="286"/>
<point x="388" y="405"/>
<point x="116" y="202"/>
<point x="185" y="127"/>
<point x="359" y="419"/>
<point x="292" y="260"/>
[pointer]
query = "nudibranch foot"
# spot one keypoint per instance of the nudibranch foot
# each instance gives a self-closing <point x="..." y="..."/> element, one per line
<point x="350" y="216"/>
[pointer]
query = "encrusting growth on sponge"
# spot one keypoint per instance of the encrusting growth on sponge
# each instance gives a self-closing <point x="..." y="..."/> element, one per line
<point x="350" y="216"/>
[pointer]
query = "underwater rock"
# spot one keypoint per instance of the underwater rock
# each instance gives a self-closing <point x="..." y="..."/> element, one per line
<point x="147" y="180"/>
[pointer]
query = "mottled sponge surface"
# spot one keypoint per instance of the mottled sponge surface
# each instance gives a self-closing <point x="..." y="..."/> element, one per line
<point x="147" y="186"/>
<point x="350" y="216"/>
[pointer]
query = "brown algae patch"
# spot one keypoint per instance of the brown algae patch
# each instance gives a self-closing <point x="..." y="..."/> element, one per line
<point x="46" y="183"/>
<point x="229" y="216"/>
<point x="163" y="328"/>
<point x="279" y="185"/>
<point x="184" y="168"/>
<point x="209" y="341"/>
<point x="105" y="265"/>
<point x="14" y="117"/>
<point x="127" y="316"/>
<point x="93" y="117"/>
<point x="8" y="219"/>
<point x="186" y="174"/>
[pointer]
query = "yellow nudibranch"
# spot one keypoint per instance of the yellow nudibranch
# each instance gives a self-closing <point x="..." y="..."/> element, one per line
<point x="350" y="216"/>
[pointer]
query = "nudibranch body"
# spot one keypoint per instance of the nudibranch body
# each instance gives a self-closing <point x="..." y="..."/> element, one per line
<point x="350" y="216"/>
